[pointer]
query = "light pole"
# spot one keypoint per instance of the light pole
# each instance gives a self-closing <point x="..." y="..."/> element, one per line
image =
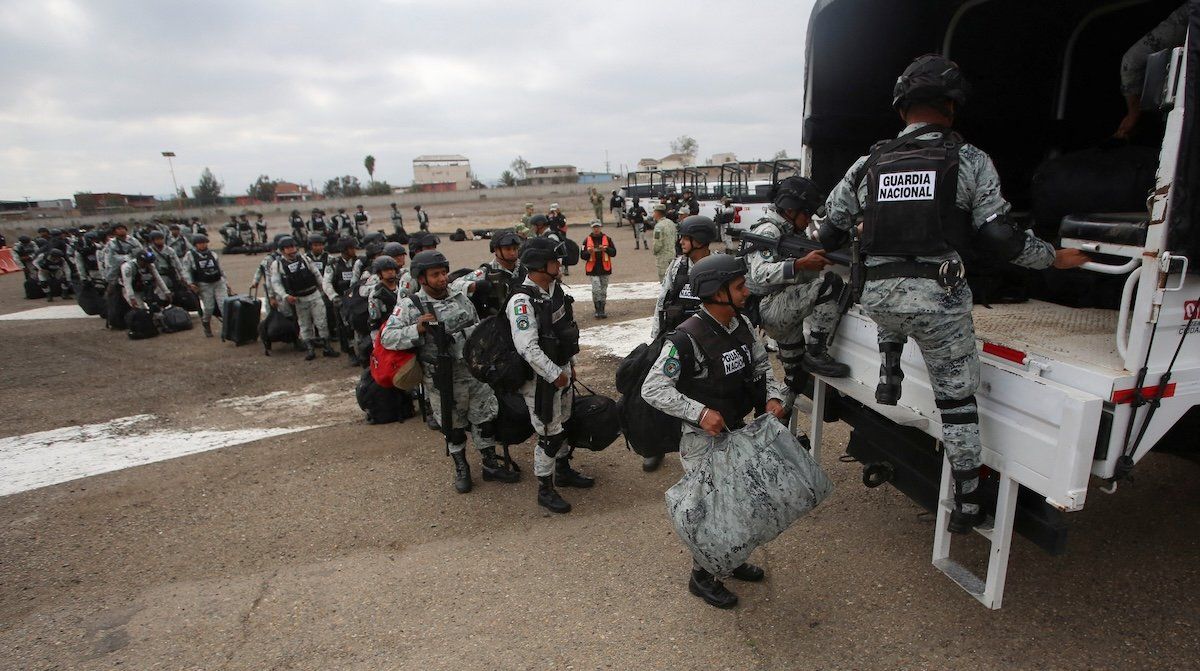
<point x="178" y="200"/>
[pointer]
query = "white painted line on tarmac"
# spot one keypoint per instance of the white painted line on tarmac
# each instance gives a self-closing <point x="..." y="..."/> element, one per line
<point x="59" y="455"/>
<point x="64" y="311"/>
<point x="618" y="339"/>
<point x="622" y="291"/>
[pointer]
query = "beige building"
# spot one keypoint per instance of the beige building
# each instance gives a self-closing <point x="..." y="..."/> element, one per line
<point x="442" y="172"/>
<point x="723" y="158"/>
<point x="674" y="162"/>
<point x="647" y="164"/>
<point x="551" y="174"/>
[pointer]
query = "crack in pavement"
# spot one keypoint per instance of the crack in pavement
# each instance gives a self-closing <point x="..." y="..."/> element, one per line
<point x="245" y="619"/>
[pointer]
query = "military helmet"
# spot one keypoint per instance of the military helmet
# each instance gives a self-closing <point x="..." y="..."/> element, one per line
<point x="56" y="231"/>
<point x="56" y="253"/>
<point x="930" y="78"/>
<point x="25" y="239"/>
<point x="145" y="256"/>
<point x="537" y="252"/>
<point x="699" y="228"/>
<point x="430" y="259"/>
<point x="539" y="220"/>
<point x="347" y="244"/>
<point x="713" y="272"/>
<point x="394" y="249"/>
<point x="316" y="239"/>
<point x="382" y="263"/>
<point x="285" y="241"/>
<point x="43" y="229"/>
<point x="197" y="239"/>
<point x="157" y="235"/>
<point x="798" y="193"/>
<point x="505" y="238"/>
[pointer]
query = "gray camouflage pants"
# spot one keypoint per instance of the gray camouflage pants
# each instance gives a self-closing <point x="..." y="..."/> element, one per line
<point x="639" y="235"/>
<point x="474" y="404"/>
<point x="947" y="343"/>
<point x="543" y="464"/>
<point x="599" y="288"/>
<point x="310" y="313"/>
<point x="210" y="293"/>
<point x="784" y="313"/>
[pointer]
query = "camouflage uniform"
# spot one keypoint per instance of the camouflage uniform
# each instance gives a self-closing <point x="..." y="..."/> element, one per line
<point x="666" y="234"/>
<point x="939" y="320"/>
<point x="309" y="308"/>
<point x="659" y="391"/>
<point x="195" y="265"/>
<point x="475" y="404"/>
<point x="129" y="272"/>
<point x="597" y="205"/>
<point x="1170" y="33"/>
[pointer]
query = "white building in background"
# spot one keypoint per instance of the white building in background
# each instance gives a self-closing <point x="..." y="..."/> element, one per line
<point x="723" y="158"/>
<point x="442" y="172"/>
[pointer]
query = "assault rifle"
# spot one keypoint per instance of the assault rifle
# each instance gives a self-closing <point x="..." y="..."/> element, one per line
<point x="443" y="372"/>
<point x="788" y="246"/>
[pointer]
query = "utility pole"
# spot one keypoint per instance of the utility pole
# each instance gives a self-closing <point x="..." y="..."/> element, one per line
<point x="178" y="199"/>
<point x="606" y="168"/>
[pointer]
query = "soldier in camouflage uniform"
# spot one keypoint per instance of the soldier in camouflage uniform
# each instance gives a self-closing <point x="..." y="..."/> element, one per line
<point x="684" y="383"/>
<point x="1170" y="33"/>
<point x="203" y="273"/>
<point x="597" y="204"/>
<point x="911" y="243"/>
<point x="296" y="286"/>
<point x="177" y="241"/>
<point x="794" y="291"/>
<point x="166" y="260"/>
<point x="665" y="233"/>
<point x="475" y="404"/>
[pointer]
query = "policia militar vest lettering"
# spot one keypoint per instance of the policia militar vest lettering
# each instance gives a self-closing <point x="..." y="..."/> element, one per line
<point x="912" y="185"/>
<point x="298" y="278"/>
<point x="680" y="303"/>
<point x="207" y="269"/>
<point x="730" y="387"/>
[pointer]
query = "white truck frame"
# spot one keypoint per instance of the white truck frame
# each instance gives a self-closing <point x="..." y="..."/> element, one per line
<point x="1056" y="382"/>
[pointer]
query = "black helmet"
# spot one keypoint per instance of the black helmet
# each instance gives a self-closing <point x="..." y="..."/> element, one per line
<point x="928" y="79"/>
<point x="316" y="239"/>
<point x="280" y="236"/>
<point x="426" y="260"/>
<point x="341" y="209"/>
<point x="295" y="212"/>
<point x="347" y="244"/>
<point x="145" y="256"/>
<point x="539" y="220"/>
<point x="24" y="238"/>
<point x="56" y="253"/>
<point x="537" y="252"/>
<point x="798" y="193"/>
<point x="56" y="231"/>
<point x="394" y="249"/>
<point x="699" y="228"/>
<point x="43" y="229"/>
<point x="285" y="241"/>
<point x="157" y="235"/>
<point x="383" y="263"/>
<point x="197" y="239"/>
<point x="504" y="238"/>
<point x="713" y="272"/>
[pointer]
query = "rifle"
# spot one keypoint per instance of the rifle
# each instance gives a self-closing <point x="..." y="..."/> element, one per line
<point x="545" y="392"/>
<point x="443" y="371"/>
<point x="852" y="292"/>
<point x="789" y="245"/>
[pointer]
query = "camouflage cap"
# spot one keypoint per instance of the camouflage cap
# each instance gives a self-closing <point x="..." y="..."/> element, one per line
<point x="528" y="204"/>
<point x="660" y="208"/>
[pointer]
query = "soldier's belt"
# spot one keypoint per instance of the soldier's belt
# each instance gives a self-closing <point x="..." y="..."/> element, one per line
<point x="897" y="269"/>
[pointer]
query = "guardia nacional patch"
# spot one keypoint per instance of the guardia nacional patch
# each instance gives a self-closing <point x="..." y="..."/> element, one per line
<point x="523" y="323"/>
<point x="671" y="367"/>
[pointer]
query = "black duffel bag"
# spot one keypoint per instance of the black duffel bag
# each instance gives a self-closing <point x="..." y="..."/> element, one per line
<point x="141" y="324"/>
<point x="648" y="431"/>
<point x="186" y="299"/>
<point x="91" y="298"/>
<point x="512" y="422"/>
<point x="355" y="311"/>
<point x="594" y="423"/>
<point x="279" y="327"/>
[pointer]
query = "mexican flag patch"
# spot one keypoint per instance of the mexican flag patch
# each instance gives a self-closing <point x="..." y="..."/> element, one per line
<point x="521" y="309"/>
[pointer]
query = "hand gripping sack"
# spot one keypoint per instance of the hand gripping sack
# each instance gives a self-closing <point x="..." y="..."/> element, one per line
<point x="391" y="368"/>
<point x="492" y="358"/>
<point x="750" y="486"/>
<point x="594" y="423"/>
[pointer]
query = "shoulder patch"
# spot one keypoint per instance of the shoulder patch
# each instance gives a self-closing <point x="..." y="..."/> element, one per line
<point x="523" y="323"/>
<point x="671" y="367"/>
<point x="521" y="309"/>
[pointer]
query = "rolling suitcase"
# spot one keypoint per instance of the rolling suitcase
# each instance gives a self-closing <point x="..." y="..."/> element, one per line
<point x="239" y="321"/>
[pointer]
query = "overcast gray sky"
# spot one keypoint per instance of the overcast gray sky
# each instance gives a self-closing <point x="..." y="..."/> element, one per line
<point x="94" y="91"/>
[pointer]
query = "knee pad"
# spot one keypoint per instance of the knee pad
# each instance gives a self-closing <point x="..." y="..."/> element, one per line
<point x="457" y="436"/>
<point x="951" y="413"/>
<point x="831" y="288"/>
<point x="552" y="444"/>
<point x="487" y="429"/>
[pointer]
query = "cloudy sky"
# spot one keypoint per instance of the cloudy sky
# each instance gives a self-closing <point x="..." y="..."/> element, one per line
<point x="95" y="91"/>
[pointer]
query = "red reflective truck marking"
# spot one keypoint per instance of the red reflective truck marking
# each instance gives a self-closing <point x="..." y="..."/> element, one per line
<point x="1007" y="353"/>
<point x="1126" y="395"/>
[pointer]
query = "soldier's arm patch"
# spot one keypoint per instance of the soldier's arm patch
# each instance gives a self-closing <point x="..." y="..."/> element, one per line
<point x="521" y="309"/>
<point x="671" y="367"/>
<point x="523" y="323"/>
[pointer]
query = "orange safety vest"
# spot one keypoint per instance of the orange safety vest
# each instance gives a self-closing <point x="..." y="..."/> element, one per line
<point x="605" y="259"/>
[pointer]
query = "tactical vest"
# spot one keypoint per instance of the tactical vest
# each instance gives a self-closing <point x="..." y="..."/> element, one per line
<point x="343" y="274"/>
<point x="388" y="298"/>
<point x="260" y="225"/>
<point x="320" y="261"/>
<point x="143" y="280"/>
<point x="605" y="260"/>
<point x="298" y="279"/>
<point x="500" y="283"/>
<point x="244" y="227"/>
<point x="729" y="386"/>
<point x="454" y="316"/>
<point x="297" y="223"/>
<point x="912" y="185"/>
<point x="558" y="334"/>
<point x="318" y="223"/>
<point x="207" y="268"/>
<point x="162" y="262"/>
<point x="51" y="264"/>
<point x="91" y="260"/>
<point x="360" y="218"/>
<point x="680" y="303"/>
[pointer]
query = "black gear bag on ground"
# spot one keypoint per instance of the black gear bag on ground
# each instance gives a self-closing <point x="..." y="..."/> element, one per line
<point x="185" y="299"/>
<point x="382" y="405"/>
<point x="239" y="319"/>
<point x="648" y="431"/>
<point x="458" y="235"/>
<point x="278" y="327"/>
<point x="594" y="423"/>
<point x="33" y="289"/>
<point x="175" y="319"/>
<point x="512" y="422"/>
<point x="90" y="299"/>
<point x="141" y="324"/>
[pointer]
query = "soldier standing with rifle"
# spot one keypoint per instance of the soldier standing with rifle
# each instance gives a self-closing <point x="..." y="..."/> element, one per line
<point x="437" y="320"/>
<point x="340" y="275"/>
<point x="545" y="334"/>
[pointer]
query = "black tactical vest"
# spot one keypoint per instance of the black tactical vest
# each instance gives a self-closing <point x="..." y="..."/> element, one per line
<point x="260" y="225"/>
<point x="298" y="279"/>
<point x="207" y="268"/>
<point x="501" y="283"/>
<point x="388" y="298"/>
<point x="297" y="223"/>
<point x="912" y="185"/>
<point x="360" y="217"/>
<point x="343" y="274"/>
<point x="318" y="223"/>
<point x="90" y="259"/>
<point x="558" y="334"/>
<point x="143" y="280"/>
<point x="319" y="261"/>
<point x="680" y="303"/>
<point x="729" y="387"/>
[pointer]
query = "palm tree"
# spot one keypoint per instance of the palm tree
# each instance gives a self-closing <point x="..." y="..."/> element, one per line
<point x="369" y="164"/>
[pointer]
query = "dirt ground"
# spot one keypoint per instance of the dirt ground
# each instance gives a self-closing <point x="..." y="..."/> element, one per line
<point x="345" y="546"/>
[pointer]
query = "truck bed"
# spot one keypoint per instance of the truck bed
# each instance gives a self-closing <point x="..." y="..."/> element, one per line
<point x="1082" y="336"/>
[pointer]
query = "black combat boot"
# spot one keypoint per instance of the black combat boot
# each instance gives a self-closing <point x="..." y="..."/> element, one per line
<point x="817" y="360"/>
<point x="706" y="586"/>
<point x="602" y="314"/>
<point x="462" y="472"/>
<point x="548" y="498"/>
<point x="565" y="476"/>
<point x="748" y="572"/>
<point x="311" y="353"/>
<point x="495" y="468"/>
<point x="968" y="510"/>
<point x="204" y="324"/>
<point x="596" y="309"/>
<point x="328" y="349"/>
<point x="891" y="377"/>
<point x="650" y="464"/>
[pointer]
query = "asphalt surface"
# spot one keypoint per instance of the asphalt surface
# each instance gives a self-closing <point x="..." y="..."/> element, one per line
<point x="345" y="546"/>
